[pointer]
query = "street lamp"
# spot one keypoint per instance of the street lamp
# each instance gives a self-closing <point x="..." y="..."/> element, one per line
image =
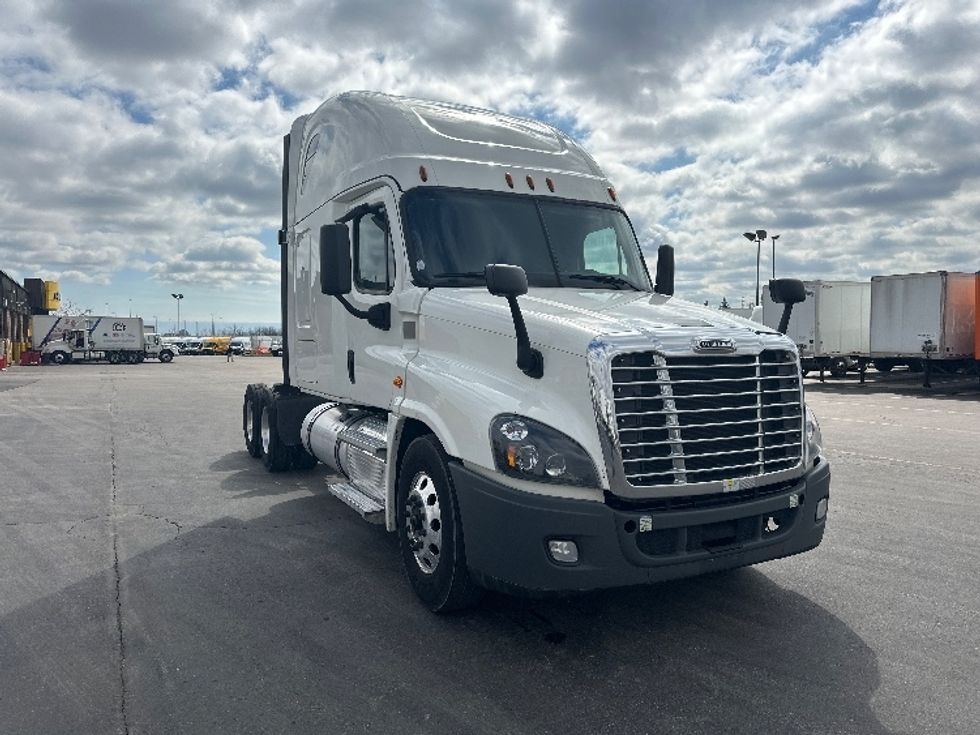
<point x="757" y="237"/>
<point x="178" y="296"/>
<point x="774" y="238"/>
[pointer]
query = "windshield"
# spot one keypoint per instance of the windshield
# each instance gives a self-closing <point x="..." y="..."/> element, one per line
<point x="451" y="235"/>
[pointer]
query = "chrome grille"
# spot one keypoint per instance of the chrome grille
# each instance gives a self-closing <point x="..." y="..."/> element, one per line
<point x="691" y="419"/>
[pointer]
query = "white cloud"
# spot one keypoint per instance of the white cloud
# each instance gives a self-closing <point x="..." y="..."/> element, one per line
<point x="147" y="137"/>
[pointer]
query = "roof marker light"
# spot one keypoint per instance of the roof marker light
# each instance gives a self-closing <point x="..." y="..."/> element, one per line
<point x="550" y="183"/>
<point x="510" y="180"/>
<point x="530" y="182"/>
<point x="423" y="174"/>
<point x="612" y="193"/>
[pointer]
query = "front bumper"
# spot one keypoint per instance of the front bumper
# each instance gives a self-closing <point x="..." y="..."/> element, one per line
<point x="506" y="534"/>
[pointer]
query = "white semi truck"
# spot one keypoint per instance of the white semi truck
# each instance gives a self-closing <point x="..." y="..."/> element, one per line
<point x="472" y="342"/>
<point x="117" y="339"/>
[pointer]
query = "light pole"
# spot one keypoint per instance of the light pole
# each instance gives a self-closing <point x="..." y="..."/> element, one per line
<point x="774" y="238"/>
<point x="757" y="237"/>
<point x="130" y="308"/>
<point x="178" y="296"/>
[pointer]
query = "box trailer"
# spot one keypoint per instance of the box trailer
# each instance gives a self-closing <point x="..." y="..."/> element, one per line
<point x="832" y="328"/>
<point x="918" y="316"/>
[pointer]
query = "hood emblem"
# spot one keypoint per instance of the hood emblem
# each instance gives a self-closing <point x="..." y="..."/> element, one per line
<point x="713" y="344"/>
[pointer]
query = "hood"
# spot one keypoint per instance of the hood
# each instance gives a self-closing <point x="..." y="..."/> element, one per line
<point x="568" y="319"/>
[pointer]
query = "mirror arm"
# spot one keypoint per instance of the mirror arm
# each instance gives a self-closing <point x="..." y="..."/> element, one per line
<point x="529" y="360"/>
<point x="784" y="319"/>
<point x="378" y="315"/>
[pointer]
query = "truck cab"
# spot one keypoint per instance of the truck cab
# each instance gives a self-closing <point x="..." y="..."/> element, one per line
<point x="154" y="347"/>
<point x="474" y="344"/>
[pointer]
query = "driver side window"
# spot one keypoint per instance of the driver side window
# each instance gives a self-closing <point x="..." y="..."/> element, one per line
<point x="374" y="258"/>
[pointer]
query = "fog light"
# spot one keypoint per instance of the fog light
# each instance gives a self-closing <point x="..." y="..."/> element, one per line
<point x="563" y="552"/>
<point x="821" y="509"/>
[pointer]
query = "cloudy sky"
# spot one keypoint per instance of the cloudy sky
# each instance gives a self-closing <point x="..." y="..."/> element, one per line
<point x="140" y="141"/>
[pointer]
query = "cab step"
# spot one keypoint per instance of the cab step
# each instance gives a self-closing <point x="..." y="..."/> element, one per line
<point x="370" y="507"/>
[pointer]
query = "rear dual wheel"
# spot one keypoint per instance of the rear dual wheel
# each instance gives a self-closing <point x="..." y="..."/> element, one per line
<point x="251" y="416"/>
<point x="263" y="441"/>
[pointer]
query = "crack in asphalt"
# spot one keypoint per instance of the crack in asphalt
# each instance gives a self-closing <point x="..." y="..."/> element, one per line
<point x="115" y="567"/>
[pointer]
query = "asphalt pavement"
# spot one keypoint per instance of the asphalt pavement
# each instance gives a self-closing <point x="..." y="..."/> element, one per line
<point x="155" y="579"/>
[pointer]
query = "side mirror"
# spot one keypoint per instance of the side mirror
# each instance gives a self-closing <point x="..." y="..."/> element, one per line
<point x="786" y="291"/>
<point x="510" y="281"/>
<point x="335" y="263"/>
<point x="505" y="280"/>
<point x="665" y="271"/>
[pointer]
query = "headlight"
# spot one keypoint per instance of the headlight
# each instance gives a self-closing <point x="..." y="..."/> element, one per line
<point x="814" y="439"/>
<point x="531" y="450"/>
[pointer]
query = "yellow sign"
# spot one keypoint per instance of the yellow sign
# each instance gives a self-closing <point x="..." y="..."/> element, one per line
<point x="52" y="295"/>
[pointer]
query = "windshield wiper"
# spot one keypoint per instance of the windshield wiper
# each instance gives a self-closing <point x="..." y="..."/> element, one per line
<point x="604" y="278"/>
<point x="461" y="274"/>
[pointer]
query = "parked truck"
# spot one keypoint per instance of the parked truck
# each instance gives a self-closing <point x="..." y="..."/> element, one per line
<point x="831" y="328"/>
<point x="919" y="317"/>
<point x="116" y="339"/>
<point x="473" y="343"/>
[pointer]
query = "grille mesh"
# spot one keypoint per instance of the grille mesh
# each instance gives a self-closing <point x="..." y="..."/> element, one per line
<point x="690" y="419"/>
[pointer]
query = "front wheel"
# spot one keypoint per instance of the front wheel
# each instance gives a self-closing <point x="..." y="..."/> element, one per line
<point x="166" y="356"/>
<point x="60" y="358"/>
<point x="430" y="534"/>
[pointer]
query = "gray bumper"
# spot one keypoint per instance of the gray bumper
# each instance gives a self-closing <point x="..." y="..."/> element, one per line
<point x="506" y="534"/>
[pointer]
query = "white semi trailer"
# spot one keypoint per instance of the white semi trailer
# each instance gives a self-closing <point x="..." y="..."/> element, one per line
<point x="920" y="318"/>
<point x="831" y="328"/>
<point x="117" y="339"/>
<point x="472" y="342"/>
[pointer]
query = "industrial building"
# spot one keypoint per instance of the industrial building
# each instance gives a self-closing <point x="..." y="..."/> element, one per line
<point x="17" y="304"/>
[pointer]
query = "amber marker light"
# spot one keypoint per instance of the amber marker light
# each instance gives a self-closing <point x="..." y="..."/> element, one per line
<point x="530" y="183"/>
<point x="550" y="183"/>
<point x="423" y="174"/>
<point x="510" y="180"/>
<point x="398" y="382"/>
<point x="612" y="193"/>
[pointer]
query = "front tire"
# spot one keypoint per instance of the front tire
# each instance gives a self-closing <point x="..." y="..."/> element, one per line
<point x="60" y="358"/>
<point x="430" y="534"/>
<point x="166" y="356"/>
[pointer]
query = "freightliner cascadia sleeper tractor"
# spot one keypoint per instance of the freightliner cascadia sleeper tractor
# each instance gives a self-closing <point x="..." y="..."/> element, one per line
<point x="474" y="345"/>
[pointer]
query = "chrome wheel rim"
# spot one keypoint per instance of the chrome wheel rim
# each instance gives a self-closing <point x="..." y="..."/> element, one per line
<point x="249" y="421"/>
<point x="266" y="434"/>
<point x="423" y="523"/>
